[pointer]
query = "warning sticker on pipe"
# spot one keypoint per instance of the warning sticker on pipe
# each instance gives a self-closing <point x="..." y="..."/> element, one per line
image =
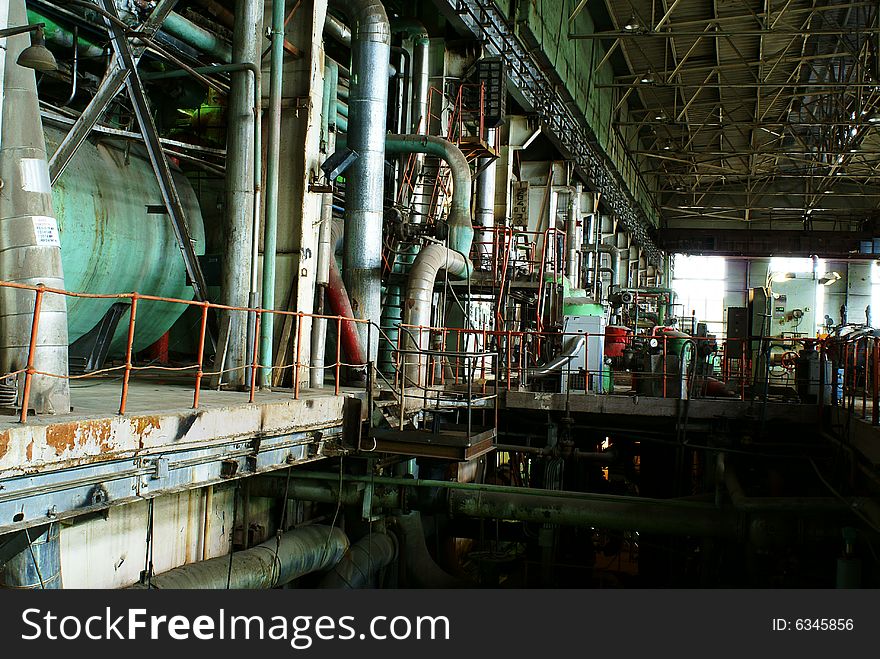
<point x="46" y="231"/>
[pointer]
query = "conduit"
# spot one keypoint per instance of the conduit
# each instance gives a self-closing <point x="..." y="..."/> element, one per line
<point x="368" y="98"/>
<point x="30" y="247"/>
<point x="268" y="565"/>
<point x="362" y="562"/>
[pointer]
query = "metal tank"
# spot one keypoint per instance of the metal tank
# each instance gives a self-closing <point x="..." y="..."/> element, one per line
<point x="116" y="238"/>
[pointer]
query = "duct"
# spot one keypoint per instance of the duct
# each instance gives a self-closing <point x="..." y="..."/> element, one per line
<point x="273" y="563"/>
<point x="368" y="98"/>
<point x="569" y="351"/>
<point x="325" y="250"/>
<point x="615" y="262"/>
<point x="242" y="168"/>
<point x="198" y="37"/>
<point x="273" y="156"/>
<point x="39" y="565"/>
<point x="30" y="251"/>
<point x="362" y="562"/>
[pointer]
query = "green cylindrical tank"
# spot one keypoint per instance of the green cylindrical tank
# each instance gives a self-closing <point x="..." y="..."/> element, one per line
<point x="111" y="242"/>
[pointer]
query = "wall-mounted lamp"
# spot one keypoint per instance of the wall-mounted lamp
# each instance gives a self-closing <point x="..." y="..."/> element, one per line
<point x="36" y="56"/>
<point x="829" y="278"/>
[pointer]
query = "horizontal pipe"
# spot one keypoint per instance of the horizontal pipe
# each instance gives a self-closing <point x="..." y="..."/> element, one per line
<point x="273" y="563"/>
<point x="197" y="37"/>
<point x="361" y="563"/>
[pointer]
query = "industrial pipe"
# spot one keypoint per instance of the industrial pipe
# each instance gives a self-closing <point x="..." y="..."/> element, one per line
<point x="325" y="231"/>
<point x="39" y="565"/>
<point x="615" y="263"/>
<point x="361" y="563"/>
<point x="485" y="205"/>
<point x="603" y="511"/>
<point x="56" y="34"/>
<point x="30" y="248"/>
<point x="340" y="304"/>
<point x="242" y="182"/>
<point x="364" y="203"/>
<point x="273" y="563"/>
<point x="273" y="155"/>
<point x="571" y="235"/>
<point x="569" y="351"/>
<point x="199" y="38"/>
<point x="417" y="303"/>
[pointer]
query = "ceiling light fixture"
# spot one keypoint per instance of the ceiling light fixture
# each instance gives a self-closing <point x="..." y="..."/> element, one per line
<point x="632" y="24"/>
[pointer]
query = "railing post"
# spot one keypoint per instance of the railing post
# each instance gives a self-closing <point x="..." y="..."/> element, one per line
<point x="299" y="320"/>
<point x="338" y="350"/>
<point x="256" y="354"/>
<point x="32" y="348"/>
<point x="200" y="355"/>
<point x="665" y="365"/>
<point x="132" y="317"/>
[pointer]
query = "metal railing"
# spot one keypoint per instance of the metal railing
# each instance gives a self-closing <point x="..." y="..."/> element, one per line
<point x="129" y="366"/>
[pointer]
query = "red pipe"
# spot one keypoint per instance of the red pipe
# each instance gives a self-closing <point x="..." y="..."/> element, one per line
<point x="341" y="306"/>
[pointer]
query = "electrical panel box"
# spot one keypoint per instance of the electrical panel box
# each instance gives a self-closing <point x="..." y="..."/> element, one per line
<point x="584" y="371"/>
<point x="737" y="331"/>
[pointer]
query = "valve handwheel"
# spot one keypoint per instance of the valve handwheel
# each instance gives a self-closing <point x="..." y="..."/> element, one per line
<point x="789" y="360"/>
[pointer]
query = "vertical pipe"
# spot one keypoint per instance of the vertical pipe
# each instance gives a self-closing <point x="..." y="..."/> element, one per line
<point x="367" y="104"/>
<point x="273" y="154"/>
<point x="30" y="249"/>
<point x="325" y="247"/>
<point x="240" y="193"/>
<point x="485" y="210"/>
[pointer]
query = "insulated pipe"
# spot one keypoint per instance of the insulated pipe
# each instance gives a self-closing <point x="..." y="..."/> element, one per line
<point x="364" y="203"/>
<point x="241" y="172"/>
<point x="417" y="304"/>
<point x="273" y="563"/>
<point x="325" y="244"/>
<point x="336" y="29"/>
<point x="569" y="352"/>
<point x="273" y="155"/>
<point x="30" y="249"/>
<point x="361" y="563"/>
<point x="485" y="207"/>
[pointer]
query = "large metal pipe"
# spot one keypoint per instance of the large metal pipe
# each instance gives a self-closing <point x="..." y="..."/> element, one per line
<point x="199" y="38"/>
<point x="39" y="565"/>
<point x="572" y="223"/>
<point x="340" y="304"/>
<point x="603" y="511"/>
<point x="361" y="563"/>
<point x="484" y="213"/>
<point x="241" y="169"/>
<point x="273" y="563"/>
<point x="273" y="156"/>
<point x="367" y="103"/>
<point x="30" y="249"/>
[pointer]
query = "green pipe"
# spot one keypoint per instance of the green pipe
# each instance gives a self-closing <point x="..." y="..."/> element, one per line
<point x="56" y="34"/>
<point x="461" y="230"/>
<point x="528" y="504"/>
<point x="341" y="124"/>
<point x="342" y="108"/>
<point x="197" y="37"/>
<point x="273" y="154"/>
<point x="182" y="73"/>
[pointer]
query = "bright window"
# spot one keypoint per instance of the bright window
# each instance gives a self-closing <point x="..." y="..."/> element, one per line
<point x="699" y="285"/>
